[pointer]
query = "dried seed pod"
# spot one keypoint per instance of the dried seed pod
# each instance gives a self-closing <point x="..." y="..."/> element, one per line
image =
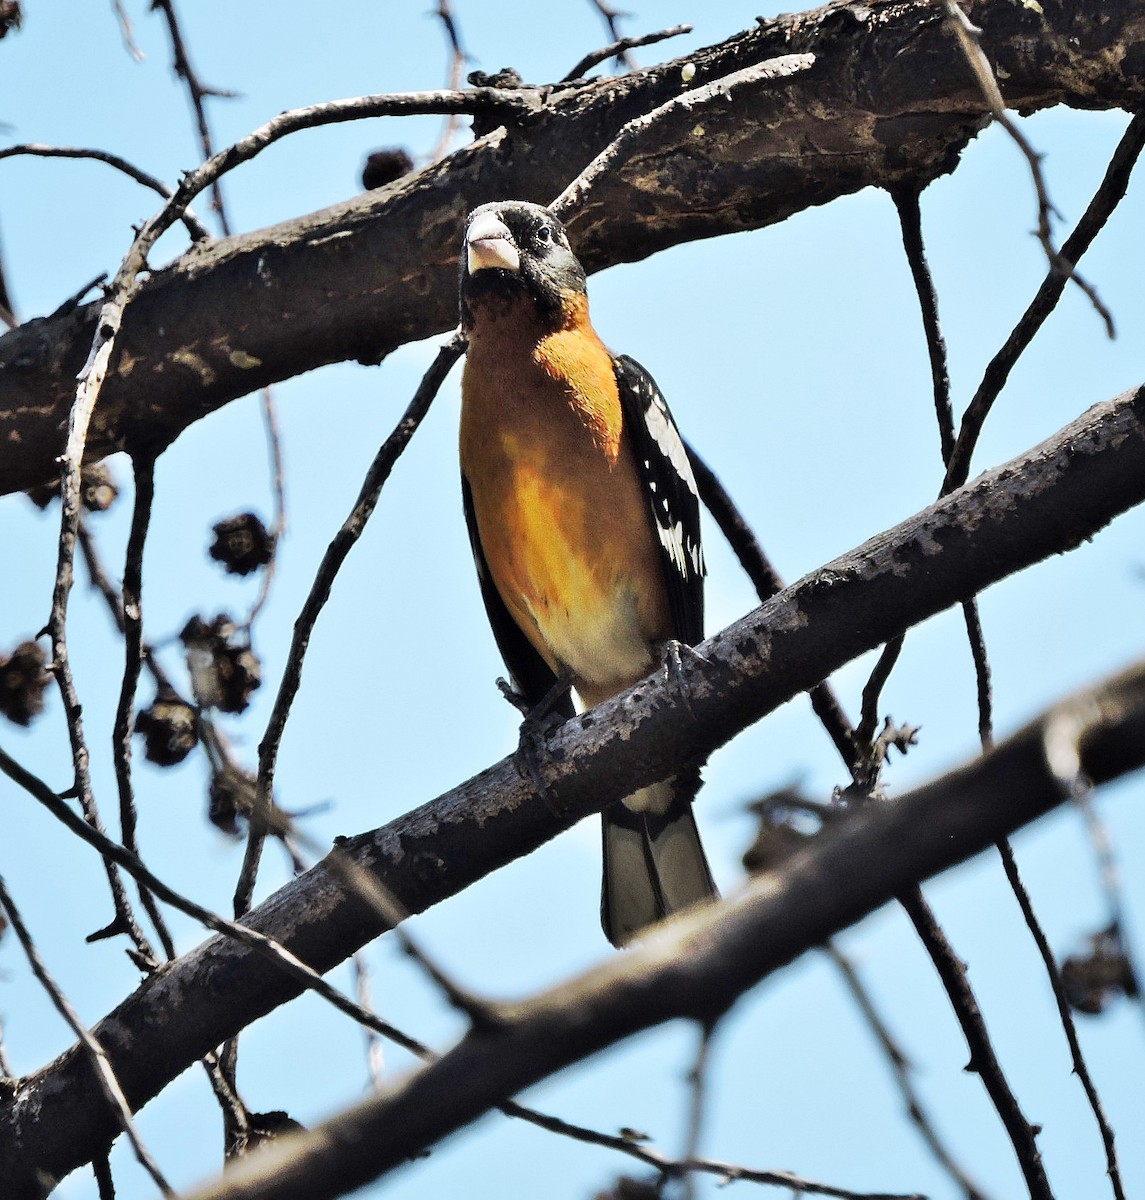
<point x="1095" y="978"/>
<point x="169" y="729"/>
<point x="98" y="489"/>
<point x="384" y="166"/>
<point x="242" y="544"/>
<point x="231" y="795"/>
<point x="225" y="671"/>
<point x="23" y="680"/>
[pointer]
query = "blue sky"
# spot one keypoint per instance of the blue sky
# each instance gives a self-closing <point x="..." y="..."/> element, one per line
<point x="793" y="359"/>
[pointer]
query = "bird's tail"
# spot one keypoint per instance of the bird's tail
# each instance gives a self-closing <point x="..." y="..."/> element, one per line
<point x="654" y="864"/>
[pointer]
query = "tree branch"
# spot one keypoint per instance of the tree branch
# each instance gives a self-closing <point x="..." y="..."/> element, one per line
<point x="698" y="966"/>
<point x="889" y="101"/>
<point x="1042" y="503"/>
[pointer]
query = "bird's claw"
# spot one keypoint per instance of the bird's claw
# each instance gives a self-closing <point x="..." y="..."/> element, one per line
<point x="531" y="750"/>
<point x="672" y="656"/>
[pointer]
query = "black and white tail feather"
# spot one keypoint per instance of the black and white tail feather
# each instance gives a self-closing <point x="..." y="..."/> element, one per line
<point x="654" y="863"/>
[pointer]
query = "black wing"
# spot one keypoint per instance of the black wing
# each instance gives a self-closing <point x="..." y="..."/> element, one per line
<point x="531" y="675"/>
<point x="662" y="463"/>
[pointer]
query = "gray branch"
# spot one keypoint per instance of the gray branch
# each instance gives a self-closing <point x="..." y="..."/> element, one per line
<point x="698" y="966"/>
<point x="1042" y="503"/>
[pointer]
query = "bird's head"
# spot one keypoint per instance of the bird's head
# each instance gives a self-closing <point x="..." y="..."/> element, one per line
<point x="512" y="251"/>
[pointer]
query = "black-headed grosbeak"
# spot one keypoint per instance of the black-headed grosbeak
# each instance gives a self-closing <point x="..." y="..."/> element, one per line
<point x="585" y="524"/>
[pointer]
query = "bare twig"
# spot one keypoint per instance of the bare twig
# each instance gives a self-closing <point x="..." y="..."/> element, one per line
<point x="127" y="31"/>
<point x="901" y="1067"/>
<point x="1010" y="865"/>
<point x="722" y="89"/>
<point x="278" y="490"/>
<point x="672" y="1168"/>
<point x="197" y="92"/>
<point x="457" y="60"/>
<point x="336" y="554"/>
<point x="983" y="1061"/>
<point x="1108" y="195"/>
<point x="968" y="38"/>
<point x="132" y="611"/>
<point x="872" y="695"/>
<point x="195" y="228"/>
<point x="767" y="582"/>
<point x="108" y="1083"/>
<point x="618" y="50"/>
<point x="611" y="18"/>
<point x="111" y="851"/>
<point x="906" y="200"/>
<point x="698" y="1081"/>
<point x="375" y="1054"/>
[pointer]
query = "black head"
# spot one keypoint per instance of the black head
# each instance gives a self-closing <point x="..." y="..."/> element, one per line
<point x="515" y="249"/>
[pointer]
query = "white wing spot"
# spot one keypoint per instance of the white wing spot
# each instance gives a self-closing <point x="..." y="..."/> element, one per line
<point x="665" y="435"/>
<point x="672" y="539"/>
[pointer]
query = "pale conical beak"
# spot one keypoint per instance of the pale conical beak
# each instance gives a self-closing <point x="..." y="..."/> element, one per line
<point x="488" y="243"/>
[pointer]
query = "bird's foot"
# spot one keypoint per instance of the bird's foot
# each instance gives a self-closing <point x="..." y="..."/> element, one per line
<point x="672" y="656"/>
<point x="539" y="724"/>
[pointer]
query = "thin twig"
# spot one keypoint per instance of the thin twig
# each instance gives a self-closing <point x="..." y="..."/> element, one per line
<point x="198" y="92"/>
<point x="127" y="31"/>
<point x="906" y="200"/>
<point x="109" y="1085"/>
<point x="675" y="1167"/>
<point x="983" y="1060"/>
<point x="767" y="582"/>
<point x="1010" y="865"/>
<point x="375" y="1053"/>
<point x="872" y="694"/>
<point x="977" y="640"/>
<point x="457" y="60"/>
<point x="195" y="227"/>
<point x="618" y="49"/>
<point x="611" y="18"/>
<point x="901" y="1067"/>
<point x="722" y="89"/>
<point x="132" y="611"/>
<point x="341" y="545"/>
<point x="272" y="950"/>
<point x="1109" y="194"/>
<point x="969" y="39"/>
<point x="698" y="1081"/>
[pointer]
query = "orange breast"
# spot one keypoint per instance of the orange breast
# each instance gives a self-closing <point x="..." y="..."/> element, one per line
<point x="564" y="525"/>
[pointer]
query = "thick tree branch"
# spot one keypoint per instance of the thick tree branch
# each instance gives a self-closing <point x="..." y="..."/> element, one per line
<point x="1042" y="503"/>
<point x="698" y="966"/>
<point x="888" y="101"/>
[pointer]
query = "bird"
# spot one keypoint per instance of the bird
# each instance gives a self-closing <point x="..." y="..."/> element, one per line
<point x="584" y="521"/>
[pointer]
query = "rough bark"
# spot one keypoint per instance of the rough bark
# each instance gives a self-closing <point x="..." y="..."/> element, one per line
<point x="696" y="968"/>
<point x="1044" y="502"/>
<point x="879" y="95"/>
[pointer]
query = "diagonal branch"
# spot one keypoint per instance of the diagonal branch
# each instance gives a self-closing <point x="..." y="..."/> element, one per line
<point x="698" y="966"/>
<point x="1040" y="504"/>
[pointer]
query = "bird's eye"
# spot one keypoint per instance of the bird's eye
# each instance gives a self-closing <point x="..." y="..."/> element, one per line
<point x="544" y="234"/>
